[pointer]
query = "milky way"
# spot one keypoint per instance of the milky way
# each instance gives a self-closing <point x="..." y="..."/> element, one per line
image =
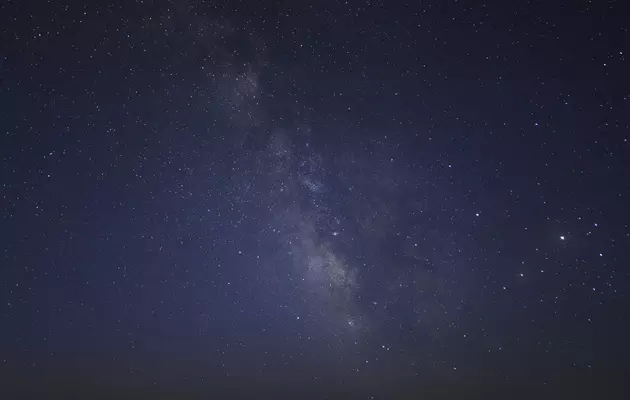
<point x="284" y="199"/>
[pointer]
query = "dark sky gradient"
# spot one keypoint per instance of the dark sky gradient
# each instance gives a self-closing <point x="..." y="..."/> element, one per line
<point x="341" y="199"/>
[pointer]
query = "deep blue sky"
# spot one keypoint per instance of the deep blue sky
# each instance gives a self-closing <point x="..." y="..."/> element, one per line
<point x="364" y="198"/>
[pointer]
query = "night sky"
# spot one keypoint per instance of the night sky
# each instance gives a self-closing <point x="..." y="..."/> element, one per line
<point x="341" y="199"/>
